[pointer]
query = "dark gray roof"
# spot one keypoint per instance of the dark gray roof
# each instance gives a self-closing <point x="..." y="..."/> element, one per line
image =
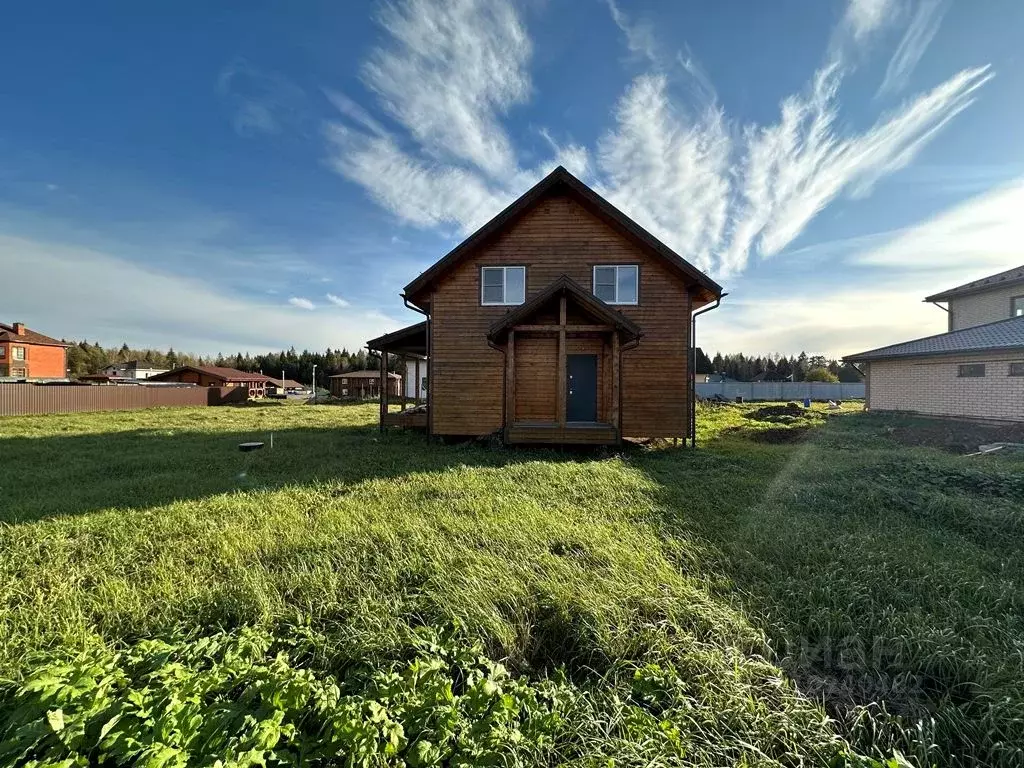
<point x="1009" y="277"/>
<point x="1002" y="335"/>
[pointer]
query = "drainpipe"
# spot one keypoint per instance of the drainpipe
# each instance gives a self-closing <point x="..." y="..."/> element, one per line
<point x="693" y="367"/>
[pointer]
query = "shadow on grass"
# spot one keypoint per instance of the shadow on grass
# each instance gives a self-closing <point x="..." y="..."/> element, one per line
<point x="53" y="476"/>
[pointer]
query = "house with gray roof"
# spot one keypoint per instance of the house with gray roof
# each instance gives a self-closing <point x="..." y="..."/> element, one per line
<point x="974" y="370"/>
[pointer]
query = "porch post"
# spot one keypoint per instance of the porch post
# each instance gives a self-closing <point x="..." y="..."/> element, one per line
<point x="383" y="387"/>
<point x="416" y="384"/>
<point x="401" y="385"/>
<point x="615" y="385"/>
<point x="562" y="395"/>
<point x="510" y="380"/>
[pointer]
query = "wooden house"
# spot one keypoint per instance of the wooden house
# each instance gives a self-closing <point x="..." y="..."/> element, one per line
<point x="216" y="376"/>
<point x="559" y="321"/>
<point x="362" y="384"/>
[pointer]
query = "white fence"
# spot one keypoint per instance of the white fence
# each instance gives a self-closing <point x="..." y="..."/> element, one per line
<point x="781" y="390"/>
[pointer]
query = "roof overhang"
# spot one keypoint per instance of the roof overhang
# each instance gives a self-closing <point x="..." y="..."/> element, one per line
<point x="410" y="341"/>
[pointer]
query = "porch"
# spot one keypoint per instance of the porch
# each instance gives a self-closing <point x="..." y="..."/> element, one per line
<point x="409" y="345"/>
<point x="562" y="378"/>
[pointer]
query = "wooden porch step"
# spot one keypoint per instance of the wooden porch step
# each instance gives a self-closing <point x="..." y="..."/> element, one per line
<point x="582" y="433"/>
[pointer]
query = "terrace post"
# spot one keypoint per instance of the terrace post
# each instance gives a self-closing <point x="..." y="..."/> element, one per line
<point x="383" y="388"/>
<point x="416" y="384"/>
<point x="561" y="362"/>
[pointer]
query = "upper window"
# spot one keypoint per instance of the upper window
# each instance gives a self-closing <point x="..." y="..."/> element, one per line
<point x="971" y="371"/>
<point x="1017" y="369"/>
<point x="3" y="352"/>
<point x="616" y="285"/>
<point x="502" y="286"/>
<point x="1017" y="306"/>
<point x="19" y="353"/>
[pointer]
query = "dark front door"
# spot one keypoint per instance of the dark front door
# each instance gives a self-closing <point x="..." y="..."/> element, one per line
<point x="581" y="391"/>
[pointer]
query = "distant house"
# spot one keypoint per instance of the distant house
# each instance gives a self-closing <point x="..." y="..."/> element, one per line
<point x="26" y="354"/>
<point x="285" y="387"/>
<point x="132" y="369"/>
<point x="216" y="376"/>
<point x="363" y="384"/>
<point x="974" y="370"/>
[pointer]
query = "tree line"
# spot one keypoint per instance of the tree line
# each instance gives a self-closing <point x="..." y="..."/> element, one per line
<point x="85" y="357"/>
<point x="802" y="367"/>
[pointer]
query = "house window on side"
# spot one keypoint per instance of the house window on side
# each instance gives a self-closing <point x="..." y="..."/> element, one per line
<point x="502" y="286"/>
<point x="18" y="373"/>
<point x="1017" y="306"/>
<point x="617" y="284"/>
<point x="971" y="371"/>
<point x="1017" y="369"/>
<point x="3" y="352"/>
<point x="19" y="353"/>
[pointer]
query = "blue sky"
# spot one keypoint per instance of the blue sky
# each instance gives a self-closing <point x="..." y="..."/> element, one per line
<point x="272" y="176"/>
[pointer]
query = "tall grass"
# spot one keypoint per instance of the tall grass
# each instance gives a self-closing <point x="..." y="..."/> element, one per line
<point x="885" y="581"/>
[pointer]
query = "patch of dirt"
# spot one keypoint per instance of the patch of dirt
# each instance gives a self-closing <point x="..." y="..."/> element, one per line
<point x="954" y="435"/>
<point x="790" y="413"/>
<point x="780" y="435"/>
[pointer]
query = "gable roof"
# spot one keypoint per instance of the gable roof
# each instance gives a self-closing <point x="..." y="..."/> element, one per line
<point x="565" y="285"/>
<point x="1000" y="336"/>
<point x="1012" y="276"/>
<point x="215" y="371"/>
<point x="561" y="179"/>
<point x="288" y="383"/>
<point x="7" y="333"/>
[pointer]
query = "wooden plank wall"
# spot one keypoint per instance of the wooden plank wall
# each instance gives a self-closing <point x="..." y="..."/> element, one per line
<point x="559" y="236"/>
<point x="536" y="381"/>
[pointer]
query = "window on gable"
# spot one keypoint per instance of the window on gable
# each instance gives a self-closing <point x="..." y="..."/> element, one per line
<point x="1017" y="306"/>
<point x="617" y="284"/>
<point x="502" y="286"/>
<point x="971" y="371"/>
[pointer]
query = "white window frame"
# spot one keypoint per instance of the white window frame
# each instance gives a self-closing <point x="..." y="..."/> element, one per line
<point x="616" y="267"/>
<point x="15" y="356"/>
<point x="504" y="286"/>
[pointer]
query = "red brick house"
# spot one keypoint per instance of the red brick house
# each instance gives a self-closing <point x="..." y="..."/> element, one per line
<point x="26" y="354"/>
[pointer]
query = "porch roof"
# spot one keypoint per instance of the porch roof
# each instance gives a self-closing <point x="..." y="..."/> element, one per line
<point x="410" y="341"/>
<point x="566" y="286"/>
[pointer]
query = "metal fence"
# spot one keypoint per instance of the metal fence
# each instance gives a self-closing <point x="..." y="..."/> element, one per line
<point x="781" y="390"/>
<point x="21" y="399"/>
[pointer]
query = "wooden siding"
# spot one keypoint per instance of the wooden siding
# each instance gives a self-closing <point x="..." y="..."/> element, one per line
<point x="536" y="380"/>
<point x="559" y="236"/>
<point x="590" y="434"/>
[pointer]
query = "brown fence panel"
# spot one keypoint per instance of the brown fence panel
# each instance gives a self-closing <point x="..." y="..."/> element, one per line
<point x="17" y="399"/>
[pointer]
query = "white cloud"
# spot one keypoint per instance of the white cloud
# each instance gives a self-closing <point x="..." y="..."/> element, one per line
<point x="337" y="300"/>
<point x="710" y="187"/>
<point x="832" y="323"/>
<point x="145" y="307"/>
<point x="866" y="16"/>
<point x="655" y="146"/>
<point x="301" y="303"/>
<point x="796" y="167"/>
<point x="640" y="37"/>
<point x="451" y="71"/>
<point x="262" y="102"/>
<point x="916" y="39"/>
<point x="977" y="237"/>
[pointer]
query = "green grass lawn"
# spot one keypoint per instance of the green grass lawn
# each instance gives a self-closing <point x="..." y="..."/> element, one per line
<point x="803" y="589"/>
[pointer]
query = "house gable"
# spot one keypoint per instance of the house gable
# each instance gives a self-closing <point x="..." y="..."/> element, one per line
<point x="562" y="184"/>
